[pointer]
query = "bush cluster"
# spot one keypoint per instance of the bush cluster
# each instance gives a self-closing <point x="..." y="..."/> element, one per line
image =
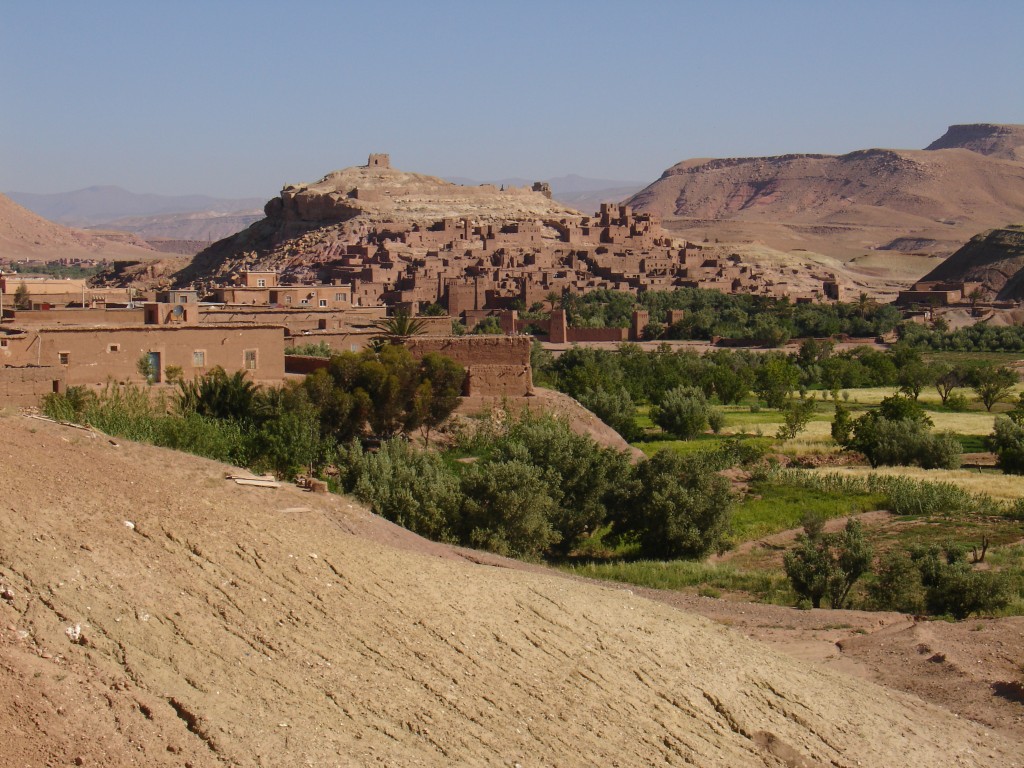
<point x="531" y="487"/>
<point x="938" y="581"/>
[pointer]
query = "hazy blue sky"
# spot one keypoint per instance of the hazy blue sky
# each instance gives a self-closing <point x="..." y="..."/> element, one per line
<point x="237" y="99"/>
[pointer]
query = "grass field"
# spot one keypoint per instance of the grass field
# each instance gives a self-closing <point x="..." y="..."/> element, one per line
<point x="771" y="507"/>
<point x="990" y="481"/>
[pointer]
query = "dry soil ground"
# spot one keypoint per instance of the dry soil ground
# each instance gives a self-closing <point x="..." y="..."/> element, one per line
<point x="154" y="613"/>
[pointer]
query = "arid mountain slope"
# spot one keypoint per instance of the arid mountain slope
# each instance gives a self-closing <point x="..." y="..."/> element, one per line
<point x="994" y="258"/>
<point x="921" y="201"/>
<point x="157" y="614"/>
<point x="24" y="235"/>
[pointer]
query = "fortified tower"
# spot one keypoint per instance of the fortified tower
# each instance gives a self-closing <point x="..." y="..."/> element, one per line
<point x="379" y="161"/>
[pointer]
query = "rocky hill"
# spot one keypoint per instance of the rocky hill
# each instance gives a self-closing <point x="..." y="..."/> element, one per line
<point x="162" y="615"/>
<point x="25" y="235"/>
<point x="307" y="218"/>
<point x="1003" y="141"/>
<point x="994" y="258"/>
<point x="923" y="201"/>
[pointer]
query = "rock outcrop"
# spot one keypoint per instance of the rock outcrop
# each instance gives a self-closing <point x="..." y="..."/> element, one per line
<point x="994" y="258"/>
<point x="1003" y="141"/>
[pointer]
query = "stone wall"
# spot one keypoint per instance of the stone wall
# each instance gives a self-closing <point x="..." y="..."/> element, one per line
<point x="20" y="387"/>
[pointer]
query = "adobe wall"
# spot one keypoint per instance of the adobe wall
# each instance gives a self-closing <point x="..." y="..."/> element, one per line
<point x="496" y="366"/>
<point x="597" y="334"/>
<point x="22" y="387"/>
<point x="76" y="316"/>
<point x="96" y="355"/>
<point x="297" y="321"/>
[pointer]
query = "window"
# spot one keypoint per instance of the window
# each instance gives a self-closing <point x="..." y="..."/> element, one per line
<point x="261" y="282"/>
<point x="113" y="347"/>
<point x="339" y="297"/>
<point x="199" y="358"/>
<point x="323" y="302"/>
<point x="3" y="342"/>
<point x="64" y="357"/>
<point x="288" y="298"/>
<point x="250" y="359"/>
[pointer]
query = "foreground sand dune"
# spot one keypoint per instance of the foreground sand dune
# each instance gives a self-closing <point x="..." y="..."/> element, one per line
<point x="245" y="626"/>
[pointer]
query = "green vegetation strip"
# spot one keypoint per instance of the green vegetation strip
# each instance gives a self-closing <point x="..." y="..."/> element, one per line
<point x="683" y="574"/>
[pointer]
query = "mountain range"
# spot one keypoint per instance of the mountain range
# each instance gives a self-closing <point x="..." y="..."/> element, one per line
<point x="925" y="201"/>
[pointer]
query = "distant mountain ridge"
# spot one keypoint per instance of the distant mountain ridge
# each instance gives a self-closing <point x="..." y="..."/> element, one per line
<point x="103" y="205"/>
<point x="26" y="235"/>
<point x="930" y="200"/>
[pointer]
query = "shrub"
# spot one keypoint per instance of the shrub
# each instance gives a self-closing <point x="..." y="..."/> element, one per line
<point x="796" y="413"/>
<point x="682" y="413"/>
<point x="615" y="408"/>
<point x="898" y="585"/>
<point x="1007" y="443"/>
<point x="953" y="587"/>
<point x="681" y="508"/>
<point x="827" y="565"/>
<point x="991" y="383"/>
<point x="506" y="509"/>
<point x="411" y="488"/>
<point x="582" y="478"/>
<point x="716" y="420"/>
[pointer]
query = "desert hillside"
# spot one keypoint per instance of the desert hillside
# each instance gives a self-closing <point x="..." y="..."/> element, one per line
<point x="154" y="613"/>
<point x="24" y="235"/>
<point x="908" y="201"/>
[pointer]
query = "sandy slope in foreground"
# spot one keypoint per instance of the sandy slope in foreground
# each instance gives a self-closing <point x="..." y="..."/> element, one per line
<point x="244" y="626"/>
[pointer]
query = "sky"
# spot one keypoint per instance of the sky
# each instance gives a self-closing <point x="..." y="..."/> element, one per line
<point x="237" y="99"/>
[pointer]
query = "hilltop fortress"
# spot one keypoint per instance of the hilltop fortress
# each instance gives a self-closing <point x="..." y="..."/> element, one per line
<point x="410" y="240"/>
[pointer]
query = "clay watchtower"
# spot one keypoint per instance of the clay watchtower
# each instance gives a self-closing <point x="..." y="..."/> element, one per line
<point x="379" y="161"/>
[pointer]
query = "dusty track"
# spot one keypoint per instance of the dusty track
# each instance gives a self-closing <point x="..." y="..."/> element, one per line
<point x="244" y="626"/>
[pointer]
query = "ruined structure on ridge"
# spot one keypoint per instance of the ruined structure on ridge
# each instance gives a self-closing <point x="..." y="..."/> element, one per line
<point x="405" y="239"/>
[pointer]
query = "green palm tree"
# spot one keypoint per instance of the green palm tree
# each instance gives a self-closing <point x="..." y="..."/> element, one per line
<point x="398" y="328"/>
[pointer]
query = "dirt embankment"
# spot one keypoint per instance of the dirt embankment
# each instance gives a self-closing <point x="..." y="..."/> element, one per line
<point x="157" y="614"/>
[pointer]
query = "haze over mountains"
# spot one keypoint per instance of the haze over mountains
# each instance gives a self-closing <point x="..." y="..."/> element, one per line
<point x="915" y="201"/>
<point x="173" y="217"/>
